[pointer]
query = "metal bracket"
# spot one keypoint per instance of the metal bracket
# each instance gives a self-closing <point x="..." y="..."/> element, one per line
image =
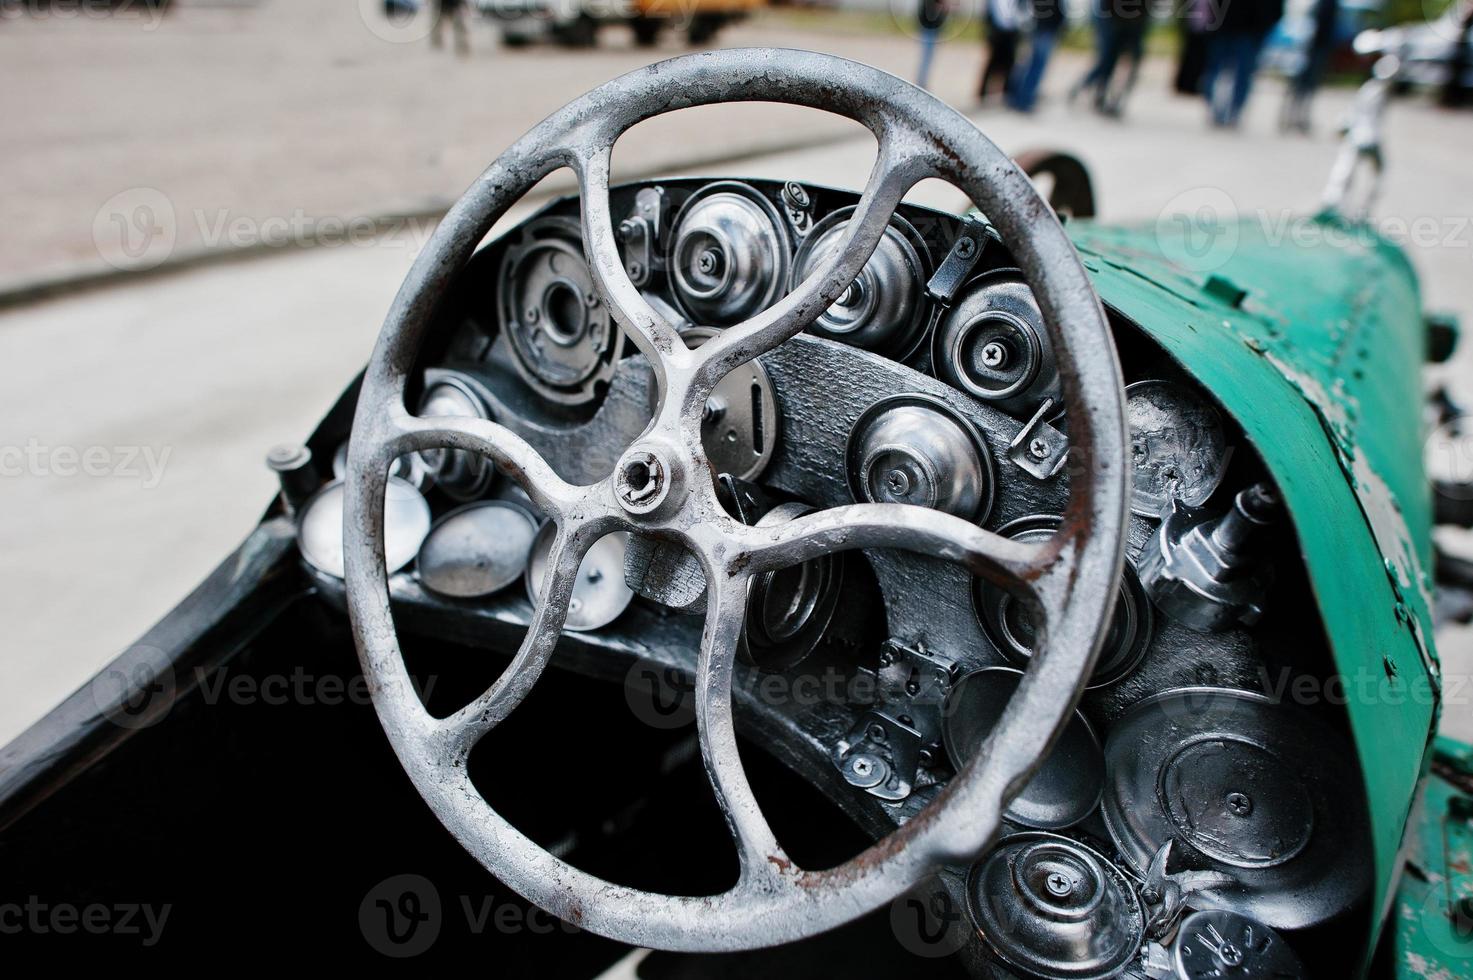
<point x="884" y="753"/>
<point x="1039" y="449"/>
<point x="641" y="232"/>
<point x="798" y="207"/>
<point x="965" y="253"/>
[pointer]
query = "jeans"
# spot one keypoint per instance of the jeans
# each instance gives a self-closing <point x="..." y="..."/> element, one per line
<point x="1238" y="54"/>
<point x="1029" y="76"/>
<point x="928" y="52"/>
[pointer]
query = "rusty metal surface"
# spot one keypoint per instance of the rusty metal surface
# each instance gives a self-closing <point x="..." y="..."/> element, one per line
<point x="1072" y="578"/>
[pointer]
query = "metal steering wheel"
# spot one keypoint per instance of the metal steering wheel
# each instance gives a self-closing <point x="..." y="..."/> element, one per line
<point x="663" y="485"/>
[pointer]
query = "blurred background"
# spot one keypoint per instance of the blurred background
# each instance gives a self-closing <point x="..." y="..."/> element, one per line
<point x="209" y="205"/>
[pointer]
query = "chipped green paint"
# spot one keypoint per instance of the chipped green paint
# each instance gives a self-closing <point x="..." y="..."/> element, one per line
<point x="1311" y="335"/>
<point x="1432" y="928"/>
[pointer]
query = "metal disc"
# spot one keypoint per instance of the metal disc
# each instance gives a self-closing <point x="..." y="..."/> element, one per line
<point x="885" y="309"/>
<point x="1066" y="788"/>
<point x="477" y="549"/>
<point x="739" y="428"/>
<point x="729" y="254"/>
<point x="600" y="595"/>
<point x="1177" y="446"/>
<point x="1008" y="625"/>
<point x="565" y="342"/>
<point x="1218" y="944"/>
<point x="1052" y="907"/>
<point x="992" y="344"/>
<point x="1263" y="792"/>
<point x="459" y="473"/>
<point x="789" y="610"/>
<point x="915" y="449"/>
<point x="320" y="526"/>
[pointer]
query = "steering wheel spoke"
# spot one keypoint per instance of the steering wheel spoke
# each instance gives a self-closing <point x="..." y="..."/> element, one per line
<point x="920" y="529"/>
<point x="762" y="859"/>
<point x="512" y="454"/>
<point x="655" y="337"/>
<point x="469" y="725"/>
<point x="897" y="168"/>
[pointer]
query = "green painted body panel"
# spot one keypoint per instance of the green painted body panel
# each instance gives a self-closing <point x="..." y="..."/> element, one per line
<point x="1311" y="336"/>
<point x="1432" y="931"/>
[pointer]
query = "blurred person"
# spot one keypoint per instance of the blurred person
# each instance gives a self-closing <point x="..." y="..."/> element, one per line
<point x="1120" y="29"/>
<point x="1192" y="56"/>
<point x="1302" y="86"/>
<point x="1233" y="49"/>
<point x="930" y="17"/>
<point x="454" y="12"/>
<point x="1454" y="92"/>
<point x="1048" y="23"/>
<point x="1004" y="20"/>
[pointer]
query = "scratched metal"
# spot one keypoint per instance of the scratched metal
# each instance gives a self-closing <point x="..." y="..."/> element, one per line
<point x="1072" y="578"/>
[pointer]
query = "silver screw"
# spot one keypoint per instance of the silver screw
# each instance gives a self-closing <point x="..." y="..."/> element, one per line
<point x="994" y="355"/>
<point x="1038" y="449"/>
<point x="1240" y="804"/>
<point x="1059" y="884"/>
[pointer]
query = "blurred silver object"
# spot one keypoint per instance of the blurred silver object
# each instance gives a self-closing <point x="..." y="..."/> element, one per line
<point x="1206" y="572"/>
<point x="1009" y="626"/>
<point x="1263" y="793"/>
<point x="992" y="344"/>
<point x="885" y="308"/>
<point x="477" y="549"/>
<point x="1219" y="944"/>
<point x="914" y="449"/>
<point x="564" y="341"/>
<point x="600" y="594"/>
<point x="460" y="474"/>
<point x="1178" y="447"/>
<point x="740" y="422"/>
<point x="729" y="254"/>
<point x="1360" y="147"/>
<point x="410" y="468"/>
<point x="1065" y="789"/>
<point x="1051" y="907"/>
<point x="320" y="526"/>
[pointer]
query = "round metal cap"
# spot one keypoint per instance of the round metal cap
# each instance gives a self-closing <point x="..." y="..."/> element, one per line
<point x="600" y="594"/>
<point x="729" y="254"/>
<point x="885" y="309"/>
<point x="1220" y="945"/>
<point x="1263" y="792"/>
<point x="460" y="474"/>
<point x="1067" y="786"/>
<point x="789" y="610"/>
<point x="992" y="344"/>
<point x="1007" y="622"/>
<point x="1052" y="907"/>
<point x="914" y="449"/>
<point x="566" y="343"/>
<point x="739" y="428"/>
<point x="477" y="549"/>
<point x="320" y="526"/>
<point x="1177" y="446"/>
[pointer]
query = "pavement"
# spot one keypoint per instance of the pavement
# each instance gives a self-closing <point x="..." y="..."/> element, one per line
<point x="146" y="405"/>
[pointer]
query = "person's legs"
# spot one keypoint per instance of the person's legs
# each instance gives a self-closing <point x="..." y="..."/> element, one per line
<point x="1109" y="57"/>
<point x="1246" y="51"/>
<point x="1131" y="47"/>
<point x="1030" y="75"/>
<point x="928" y="52"/>
<point x="1003" y="51"/>
<point x="1217" y="56"/>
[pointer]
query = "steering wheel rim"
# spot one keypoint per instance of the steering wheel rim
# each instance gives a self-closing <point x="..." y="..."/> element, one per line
<point x="1071" y="579"/>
